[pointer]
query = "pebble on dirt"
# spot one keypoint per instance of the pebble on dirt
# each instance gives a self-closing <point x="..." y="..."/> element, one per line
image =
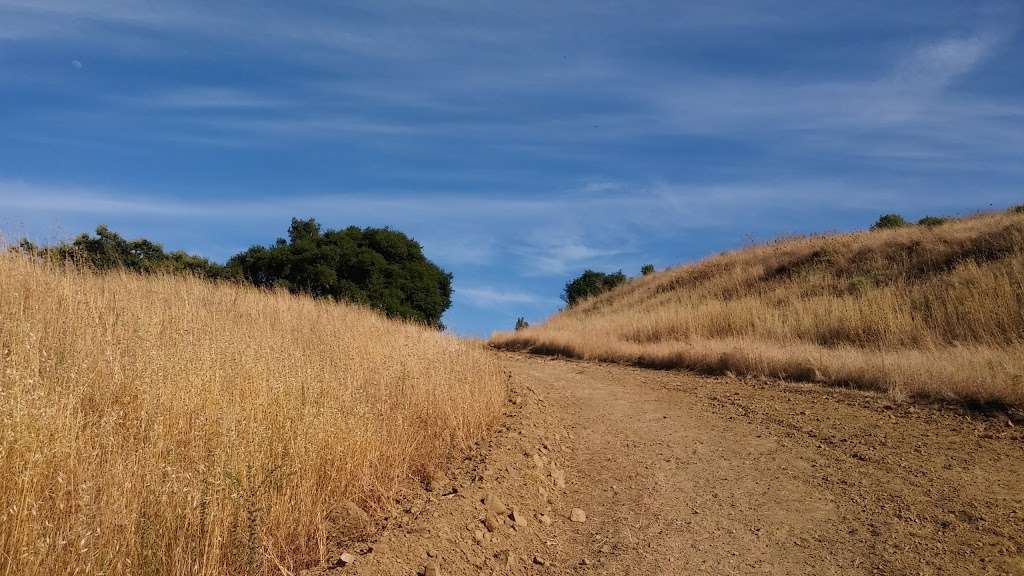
<point x="558" y="476"/>
<point x="491" y="522"/>
<point x="505" y="557"/>
<point x="494" y="504"/>
<point x="351" y="519"/>
<point x="518" y="517"/>
<point x="436" y="481"/>
<point x="578" y="515"/>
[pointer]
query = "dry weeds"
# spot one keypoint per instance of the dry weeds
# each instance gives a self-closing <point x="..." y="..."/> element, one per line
<point x="166" y="425"/>
<point x="934" y="312"/>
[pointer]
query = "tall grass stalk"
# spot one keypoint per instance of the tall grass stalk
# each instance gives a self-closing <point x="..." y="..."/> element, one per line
<point x="931" y="311"/>
<point x="168" y="425"/>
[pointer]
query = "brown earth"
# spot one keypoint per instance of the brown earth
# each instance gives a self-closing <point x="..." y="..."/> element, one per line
<point x="679" y="474"/>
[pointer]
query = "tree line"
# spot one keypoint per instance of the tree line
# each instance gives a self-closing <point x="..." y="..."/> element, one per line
<point x="377" y="267"/>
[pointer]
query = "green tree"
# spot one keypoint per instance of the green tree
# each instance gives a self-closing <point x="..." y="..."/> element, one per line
<point x="932" y="221"/>
<point x="647" y="269"/>
<point x="590" y="284"/>
<point x="108" y="250"/>
<point x="889" y="221"/>
<point x="378" y="267"/>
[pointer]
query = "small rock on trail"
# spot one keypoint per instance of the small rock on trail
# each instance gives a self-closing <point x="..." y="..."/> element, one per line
<point x="518" y="517"/>
<point x="494" y="504"/>
<point x="578" y="515"/>
<point x="351" y="520"/>
<point x="491" y="522"/>
<point x="345" y="559"/>
<point x="558" y="477"/>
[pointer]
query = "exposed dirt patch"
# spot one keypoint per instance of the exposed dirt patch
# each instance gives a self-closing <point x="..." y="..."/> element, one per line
<point x="614" y="470"/>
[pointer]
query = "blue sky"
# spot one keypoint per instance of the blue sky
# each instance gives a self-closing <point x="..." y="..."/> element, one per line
<point x="519" y="142"/>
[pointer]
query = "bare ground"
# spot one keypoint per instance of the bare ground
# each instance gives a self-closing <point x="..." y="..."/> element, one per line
<point x="680" y="474"/>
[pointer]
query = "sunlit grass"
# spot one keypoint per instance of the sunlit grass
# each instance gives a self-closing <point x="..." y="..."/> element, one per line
<point x="167" y="425"/>
<point x="922" y="311"/>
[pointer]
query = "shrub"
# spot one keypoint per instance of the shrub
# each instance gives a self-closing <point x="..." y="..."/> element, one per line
<point x="647" y="269"/>
<point x="521" y="323"/>
<point x="108" y="250"/>
<point x="889" y="221"/>
<point x="1017" y="209"/>
<point x="589" y="284"/>
<point x="379" y="267"/>
<point x="932" y="221"/>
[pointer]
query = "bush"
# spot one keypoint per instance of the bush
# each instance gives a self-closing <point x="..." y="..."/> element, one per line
<point x="647" y="269"/>
<point x="590" y="284"/>
<point x="889" y="221"/>
<point x="378" y="267"/>
<point x="521" y="323"/>
<point x="932" y="221"/>
<point x="1017" y="209"/>
<point x="108" y="250"/>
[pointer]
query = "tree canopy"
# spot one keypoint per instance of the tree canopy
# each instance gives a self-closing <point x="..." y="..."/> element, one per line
<point x="889" y="221"/>
<point x="589" y="284"/>
<point x="379" y="267"/>
<point x="108" y="250"/>
<point x="376" y="267"/>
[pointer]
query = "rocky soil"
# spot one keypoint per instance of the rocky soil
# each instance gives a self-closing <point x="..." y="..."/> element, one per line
<point x="602" y="469"/>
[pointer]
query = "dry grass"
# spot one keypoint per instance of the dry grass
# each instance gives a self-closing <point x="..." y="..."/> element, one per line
<point x="166" y="425"/>
<point x="929" y="312"/>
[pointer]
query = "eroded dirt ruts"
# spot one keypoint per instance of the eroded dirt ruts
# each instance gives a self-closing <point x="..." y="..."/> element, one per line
<point x="614" y="470"/>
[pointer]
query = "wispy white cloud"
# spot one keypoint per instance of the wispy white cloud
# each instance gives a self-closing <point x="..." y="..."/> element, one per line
<point x="489" y="297"/>
<point x="551" y="250"/>
<point x="207" y="97"/>
<point x="63" y="199"/>
<point x="934" y="65"/>
<point x="465" y="247"/>
<point x="908" y="108"/>
<point x="529" y="238"/>
<point x="601" y="186"/>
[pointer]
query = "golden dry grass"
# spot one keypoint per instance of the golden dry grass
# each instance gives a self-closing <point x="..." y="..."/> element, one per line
<point x="934" y="312"/>
<point x="166" y="425"/>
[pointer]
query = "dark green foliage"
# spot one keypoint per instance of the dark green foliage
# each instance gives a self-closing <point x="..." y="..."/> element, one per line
<point x="889" y="221"/>
<point x="108" y="250"/>
<point x="647" y="269"/>
<point x="932" y="221"/>
<point x="378" y="267"/>
<point x="521" y="323"/>
<point x="589" y="284"/>
<point x="1017" y="209"/>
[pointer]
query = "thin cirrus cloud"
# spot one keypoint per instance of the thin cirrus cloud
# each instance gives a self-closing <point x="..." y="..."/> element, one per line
<point x="855" y="118"/>
<point x="519" y="142"/>
<point x="907" y="103"/>
<point x="486" y="296"/>
<point x="208" y="98"/>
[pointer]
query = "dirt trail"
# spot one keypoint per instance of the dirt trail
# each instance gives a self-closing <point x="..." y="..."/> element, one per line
<point x="685" y="475"/>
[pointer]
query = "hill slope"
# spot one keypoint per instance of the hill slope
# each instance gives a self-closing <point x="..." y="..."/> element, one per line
<point x="922" y="311"/>
<point x="169" y="425"/>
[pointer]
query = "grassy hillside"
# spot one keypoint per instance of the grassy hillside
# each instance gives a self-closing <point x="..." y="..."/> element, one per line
<point x="168" y="425"/>
<point x="932" y="311"/>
